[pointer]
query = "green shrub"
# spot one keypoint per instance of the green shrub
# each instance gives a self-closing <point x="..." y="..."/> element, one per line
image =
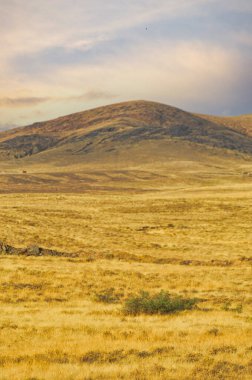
<point x="160" y="303"/>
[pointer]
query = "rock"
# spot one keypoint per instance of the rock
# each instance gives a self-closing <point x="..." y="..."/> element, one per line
<point x="186" y="262"/>
<point x="4" y="248"/>
<point x="34" y="250"/>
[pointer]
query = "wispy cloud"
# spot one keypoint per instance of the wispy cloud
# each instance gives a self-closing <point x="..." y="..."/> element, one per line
<point x="34" y="101"/>
<point x="59" y="56"/>
<point x="22" y="102"/>
<point x="243" y="38"/>
<point x="91" y="95"/>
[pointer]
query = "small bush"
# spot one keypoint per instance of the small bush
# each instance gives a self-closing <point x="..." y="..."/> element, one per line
<point x="160" y="303"/>
<point x="107" y="296"/>
<point x="227" y="307"/>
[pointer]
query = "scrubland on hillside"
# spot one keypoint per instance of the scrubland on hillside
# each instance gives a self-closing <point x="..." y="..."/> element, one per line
<point x="193" y="242"/>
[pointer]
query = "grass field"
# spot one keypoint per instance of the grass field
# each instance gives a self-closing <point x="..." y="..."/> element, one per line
<point x="194" y="242"/>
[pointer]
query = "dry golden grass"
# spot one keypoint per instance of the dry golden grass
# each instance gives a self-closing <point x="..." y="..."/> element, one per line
<point x="194" y="242"/>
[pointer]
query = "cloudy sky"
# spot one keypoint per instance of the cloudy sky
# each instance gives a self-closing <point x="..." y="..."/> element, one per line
<point x="64" y="56"/>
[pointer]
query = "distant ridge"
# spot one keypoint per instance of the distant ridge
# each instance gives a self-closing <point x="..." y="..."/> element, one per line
<point x="241" y="123"/>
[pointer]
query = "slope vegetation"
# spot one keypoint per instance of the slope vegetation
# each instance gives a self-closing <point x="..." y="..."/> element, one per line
<point x="132" y="145"/>
<point x="242" y="123"/>
<point x="112" y="128"/>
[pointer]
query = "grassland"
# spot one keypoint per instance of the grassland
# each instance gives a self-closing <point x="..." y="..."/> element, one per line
<point x="192" y="241"/>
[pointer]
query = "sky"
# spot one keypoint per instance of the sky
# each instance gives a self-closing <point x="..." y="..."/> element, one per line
<point x="63" y="56"/>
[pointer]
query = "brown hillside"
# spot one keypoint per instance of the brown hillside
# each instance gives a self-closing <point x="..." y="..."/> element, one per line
<point x="242" y="123"/>
<point x="115" y="130"/>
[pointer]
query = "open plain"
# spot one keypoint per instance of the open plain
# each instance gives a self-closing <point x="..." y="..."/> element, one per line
<point x="126" y="190"/>
<point x="128" y="209"/>
<point x="193" y="242"/>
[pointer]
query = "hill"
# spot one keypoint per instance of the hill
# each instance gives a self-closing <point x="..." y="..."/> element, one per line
<point x="241" y="123"/>
<point x="121" y="142"/>
<point x="107" y="128"/>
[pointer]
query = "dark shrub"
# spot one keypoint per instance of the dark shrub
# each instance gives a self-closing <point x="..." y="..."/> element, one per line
<point x="107" y="296"/>
<point x="160" y="303"/>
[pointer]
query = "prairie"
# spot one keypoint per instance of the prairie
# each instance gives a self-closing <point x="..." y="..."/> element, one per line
<point x="192" y="241"/>
<point x="98" y="206"/>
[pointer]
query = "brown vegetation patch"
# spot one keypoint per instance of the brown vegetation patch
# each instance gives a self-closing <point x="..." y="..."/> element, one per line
<point x="34" y="250"/>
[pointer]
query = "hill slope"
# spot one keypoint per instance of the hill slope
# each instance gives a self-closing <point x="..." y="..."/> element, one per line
<point x="132" y="145"/>
<point x="242" y="123"/>
<point x="112" y="128"/>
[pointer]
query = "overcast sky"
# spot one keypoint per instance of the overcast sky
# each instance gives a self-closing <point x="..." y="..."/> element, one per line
<point x="64" y="56"/>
